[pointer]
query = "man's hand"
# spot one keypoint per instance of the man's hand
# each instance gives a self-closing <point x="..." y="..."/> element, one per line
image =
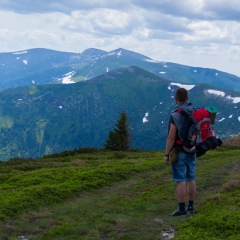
<point x="170" y="141"/>
<point x="166" y="159"/>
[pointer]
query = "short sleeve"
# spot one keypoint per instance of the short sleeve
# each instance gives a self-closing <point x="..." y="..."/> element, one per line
<point x="171" y="120"/>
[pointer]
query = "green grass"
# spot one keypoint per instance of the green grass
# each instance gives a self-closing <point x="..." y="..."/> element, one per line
<point x="108" y="195"/>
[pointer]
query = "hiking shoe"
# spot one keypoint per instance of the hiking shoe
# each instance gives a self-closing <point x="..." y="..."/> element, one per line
<point x="190" y="211"/>
<point x="178" y="213"/>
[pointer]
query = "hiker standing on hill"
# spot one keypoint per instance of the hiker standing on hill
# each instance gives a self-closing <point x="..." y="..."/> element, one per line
<point x="183" y="171"/>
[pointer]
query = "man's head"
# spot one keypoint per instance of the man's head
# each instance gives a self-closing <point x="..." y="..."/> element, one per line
<point x="181" y="95"/>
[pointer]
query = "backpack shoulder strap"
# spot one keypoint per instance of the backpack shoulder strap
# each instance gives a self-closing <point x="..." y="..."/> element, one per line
<point x="182" y="120"/>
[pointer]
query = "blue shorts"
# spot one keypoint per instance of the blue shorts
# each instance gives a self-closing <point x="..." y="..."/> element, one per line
<point x="185" y="168"/>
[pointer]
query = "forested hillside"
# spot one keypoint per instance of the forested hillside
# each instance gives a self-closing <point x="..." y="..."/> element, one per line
<point x="46" y="119"/>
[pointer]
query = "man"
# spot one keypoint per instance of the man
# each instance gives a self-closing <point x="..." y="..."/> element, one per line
<point x="183" y="171"/>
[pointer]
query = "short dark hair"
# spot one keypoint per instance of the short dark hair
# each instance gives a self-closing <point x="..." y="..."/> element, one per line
<point x="181" y="95"/>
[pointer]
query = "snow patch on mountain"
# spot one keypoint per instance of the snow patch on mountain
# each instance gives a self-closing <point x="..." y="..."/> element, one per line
<point x="162" y="72"/>
<point x="119" y="53"/>
<point x="67" y="78"/>
<point x="219" y="93"/>
<point x="188" y="87"/>
<point x="234" y="99"/>
<point x="222" y="94"/>
<point x="22" y="52"/>
<point x="145" y="117"/>
<point x="151" y="60"/>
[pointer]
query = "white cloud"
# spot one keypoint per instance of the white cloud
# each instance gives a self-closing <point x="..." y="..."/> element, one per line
<point x="104" y="21"/>
<point x="200" y="33"/>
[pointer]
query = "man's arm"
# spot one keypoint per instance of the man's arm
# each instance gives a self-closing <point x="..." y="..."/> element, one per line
<point x="170" y="140"/>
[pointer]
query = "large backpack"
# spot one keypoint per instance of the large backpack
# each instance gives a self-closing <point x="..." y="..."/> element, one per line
<point x="199" y="130"/>
<point x="196" y="132"/>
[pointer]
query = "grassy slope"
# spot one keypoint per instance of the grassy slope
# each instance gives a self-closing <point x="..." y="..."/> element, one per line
<point x="107" y="195"/>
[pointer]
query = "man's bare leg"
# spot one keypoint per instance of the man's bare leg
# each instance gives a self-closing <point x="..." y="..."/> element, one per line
<point x="191" y="195"/>
<point x="181" y="192"/>
<point x="191" y="190"/>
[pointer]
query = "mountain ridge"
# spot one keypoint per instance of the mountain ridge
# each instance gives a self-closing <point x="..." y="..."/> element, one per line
<point x="46" y="66"/>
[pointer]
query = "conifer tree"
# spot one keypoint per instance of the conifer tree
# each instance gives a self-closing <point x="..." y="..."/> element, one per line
<point x="119" y="137"/>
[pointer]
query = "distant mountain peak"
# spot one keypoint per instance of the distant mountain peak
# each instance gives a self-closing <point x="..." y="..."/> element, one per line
<point x="92" y="51"/>
<point x="43" y="66"/>
<point x="125" y="52"/>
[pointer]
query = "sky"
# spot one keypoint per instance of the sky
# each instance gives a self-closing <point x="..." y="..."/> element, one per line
<point x="198" y="33"/>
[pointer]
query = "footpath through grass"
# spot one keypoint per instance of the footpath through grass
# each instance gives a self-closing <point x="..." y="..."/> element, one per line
<point x="114" y="195"/>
